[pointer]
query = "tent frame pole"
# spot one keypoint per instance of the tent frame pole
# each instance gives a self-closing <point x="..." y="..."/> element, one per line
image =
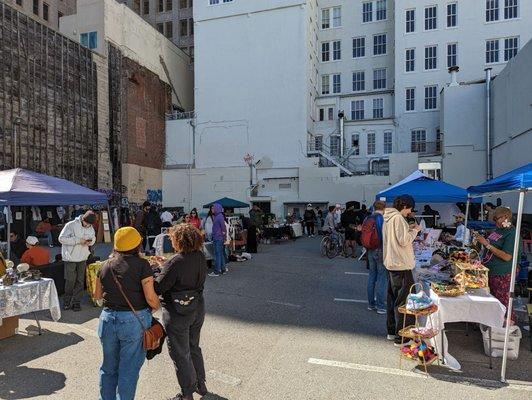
<point x="512" y="282"/>
<point x="466" y="219"/>
<point x="8" y="240"/>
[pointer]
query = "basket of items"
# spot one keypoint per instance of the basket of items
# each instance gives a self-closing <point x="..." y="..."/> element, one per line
<point x="447" y="289"/>
<point x="471" y="275"/>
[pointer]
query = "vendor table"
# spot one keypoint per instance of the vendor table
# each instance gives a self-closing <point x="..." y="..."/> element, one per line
<point x="297" y="229"/>
<point x="277" y="233"/>
<point x="480" y="308"/>
<point x="30" y="297"/>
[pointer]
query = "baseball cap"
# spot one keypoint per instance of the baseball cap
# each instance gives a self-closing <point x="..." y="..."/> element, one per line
<point x="32" y="240"/>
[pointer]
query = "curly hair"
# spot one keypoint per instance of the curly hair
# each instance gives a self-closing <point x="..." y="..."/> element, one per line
<point x="186" y="238"/>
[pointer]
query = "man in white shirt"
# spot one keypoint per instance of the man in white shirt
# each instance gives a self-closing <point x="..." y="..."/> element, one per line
<point x="166" y="216"/>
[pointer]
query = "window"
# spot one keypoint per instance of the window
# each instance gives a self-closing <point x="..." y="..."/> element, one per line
<point x="36" y="7"/>
<point x="161" y="6"/>
<point x="337" y="17"/>
<point x="355" y="144"/>
<point x="431" y="21"/>
<point x="410" y="60"/>
<point x="325" y="18"/>
<point x="510" y="9"/>
<point x="169" y="5"/>
<point x="160" y="28"/>
<point x="19" y="2"/>
<point x="419" y="141"/>
<point x="325" y="51"/>
<point x="511" y="45"/>
<point x="452" y="49"/>
<point x="318" y="142"/>
<point x="492" y="51"/>
<point x="182" y="4"/>
<point x="492" y="10"/>
<point x="337" y="85"/>
<point x="321" y="114"/>
<point x="367" y="11"/>
<point x="371" y="143"/>
<point x="410" y="21"/>
<point x="146" y="7"/>
<point x="381" y="10"/>
<point x="451" y="14"/>
<point x="387" y="142"/>
<point x="169" y="27"/>
<point x="379" y="78"/>
<point x="213" y="2"/>
<point x="330" y="113"/>
<point x="183" y="27"/>
<point x="359" y="81"/>
<point x="89" y="40"/>
<point x="430" y="58"/>
<point x="325" y="84"/>
<point x="357" y="109"/>
<point x="337" y="50"/>
<point x="191" y="26"/>
<point x="430" y="97"/>
<point x="359" y="47"/>
<point x="410" y="95"/>
<point x="45" y="11"/>
<point x="378" y="108"/>
<point x="379" y="44"/>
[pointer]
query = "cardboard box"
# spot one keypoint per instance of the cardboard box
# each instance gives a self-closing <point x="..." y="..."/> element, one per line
<point x="9" y="327"/>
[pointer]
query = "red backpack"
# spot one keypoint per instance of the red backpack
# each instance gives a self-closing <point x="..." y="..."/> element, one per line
<point x="370" y="237"/>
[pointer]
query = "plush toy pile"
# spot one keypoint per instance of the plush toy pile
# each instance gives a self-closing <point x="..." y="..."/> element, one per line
<point x="420" y="351"/>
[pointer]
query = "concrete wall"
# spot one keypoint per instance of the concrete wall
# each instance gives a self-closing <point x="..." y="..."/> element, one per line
<point x="137" y="180"/>
<point x="179" y="140"/>
<point x="137" y="40"/>
<point x="104" y="161"/>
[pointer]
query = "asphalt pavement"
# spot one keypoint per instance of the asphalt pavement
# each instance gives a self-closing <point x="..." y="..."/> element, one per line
<point x="289" y="324"/>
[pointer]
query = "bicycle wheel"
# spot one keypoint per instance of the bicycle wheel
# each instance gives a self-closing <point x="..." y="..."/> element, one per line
<point x="332" y="249"/>
<point x="323" y="245"/>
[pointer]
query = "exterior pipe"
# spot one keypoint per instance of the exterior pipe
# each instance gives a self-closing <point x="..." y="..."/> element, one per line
<point x="489" y="170"/>
<point x="341" y="117"/>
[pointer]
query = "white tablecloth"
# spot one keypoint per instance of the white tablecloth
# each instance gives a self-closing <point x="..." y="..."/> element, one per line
<point x="480" y="308"/>
<point x="27" y="297"/>
<point x="297" y="228"/>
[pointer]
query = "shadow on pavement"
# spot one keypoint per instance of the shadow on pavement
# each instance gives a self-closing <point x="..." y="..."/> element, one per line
<point x="18" y="381"/>
<point x="213" y="396"/>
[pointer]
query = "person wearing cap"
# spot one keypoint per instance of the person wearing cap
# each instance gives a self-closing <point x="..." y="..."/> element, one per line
<point x="120" y="330"/>
<point x="309" y="217"/>
<point x="36" y="255"/>
<point x="399" y="260"/>
<point x="141" y="219"/>
<point x="462" y="233"/>
<point x="75" y="239"/>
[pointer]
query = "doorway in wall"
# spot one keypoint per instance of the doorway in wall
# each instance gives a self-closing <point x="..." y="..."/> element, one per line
<point x="265" y="206"/>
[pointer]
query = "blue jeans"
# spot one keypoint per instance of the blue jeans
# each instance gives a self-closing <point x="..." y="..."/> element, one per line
<point x="49" y="238"/>
<point x="123" y="352"/>
<point x="219" y="256"/>
<point x="377" y="279"/>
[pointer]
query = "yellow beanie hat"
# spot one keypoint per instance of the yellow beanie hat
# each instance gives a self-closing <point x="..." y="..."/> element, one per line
<point x="127" y="238"/>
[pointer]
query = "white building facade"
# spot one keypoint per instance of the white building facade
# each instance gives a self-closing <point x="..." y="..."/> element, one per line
<point x="272" y="79"/>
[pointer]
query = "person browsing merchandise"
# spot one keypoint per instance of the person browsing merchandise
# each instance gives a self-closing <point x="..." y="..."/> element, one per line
<point x="35" y="255"/>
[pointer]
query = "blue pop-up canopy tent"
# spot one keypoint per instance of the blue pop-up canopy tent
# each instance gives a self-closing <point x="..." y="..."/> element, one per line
<point x="227" y="202"/>
<point x="20" y="187"/>
<point x="518" y="180"/>
<point x="424" y="190"/>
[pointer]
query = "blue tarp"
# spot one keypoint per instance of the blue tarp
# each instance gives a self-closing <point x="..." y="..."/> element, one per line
<point x="19" y="187"/>
<point x="520" y="178"/>
<point x="424" y="190"/>
<point x="226" y="202"/>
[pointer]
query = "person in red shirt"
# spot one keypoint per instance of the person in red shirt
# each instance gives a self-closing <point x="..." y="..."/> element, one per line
<point x="194" y="219"/>
<point x="35" y="256"/>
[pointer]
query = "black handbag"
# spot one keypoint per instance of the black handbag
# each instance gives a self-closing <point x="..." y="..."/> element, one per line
<point x="186" y="302"/>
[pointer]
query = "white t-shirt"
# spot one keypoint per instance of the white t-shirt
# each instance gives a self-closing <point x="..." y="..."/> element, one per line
<point x="167" y="216"/>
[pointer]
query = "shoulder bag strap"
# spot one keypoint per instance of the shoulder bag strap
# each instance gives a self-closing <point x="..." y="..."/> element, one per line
<point x="125" y="297"/>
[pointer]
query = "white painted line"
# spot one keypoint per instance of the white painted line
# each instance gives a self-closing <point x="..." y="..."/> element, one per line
<point x="284" y="304"/>
<point x="357" y="273"/>
<point x="515" y="385"/>
<point x="351" y="300"/>
<point x="224" y="378"/>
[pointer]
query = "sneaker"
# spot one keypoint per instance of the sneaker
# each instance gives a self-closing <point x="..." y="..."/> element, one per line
<point x="397" y="342"/>
<point x="381" y="311"/>
<point x="76" y="307"/>
<point x="66" y="306"/>
<point x="371" y="308"/>
<point x="214" y="274"/>
<point x="390" y="337"/>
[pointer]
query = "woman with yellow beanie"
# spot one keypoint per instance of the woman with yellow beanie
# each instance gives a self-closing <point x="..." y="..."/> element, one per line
<point x="120" y="330"/>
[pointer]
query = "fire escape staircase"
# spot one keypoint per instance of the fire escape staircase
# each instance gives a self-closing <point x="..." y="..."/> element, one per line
<point x="330" y="156"/>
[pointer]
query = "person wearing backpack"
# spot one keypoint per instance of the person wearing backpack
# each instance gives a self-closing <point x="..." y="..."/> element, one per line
<point x="371" y="238"/>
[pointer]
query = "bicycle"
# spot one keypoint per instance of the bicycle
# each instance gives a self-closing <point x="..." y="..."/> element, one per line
<point x="335" y="244"/>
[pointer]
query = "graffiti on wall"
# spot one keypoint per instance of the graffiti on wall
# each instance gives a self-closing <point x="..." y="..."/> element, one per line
<point x="155" y="196"/>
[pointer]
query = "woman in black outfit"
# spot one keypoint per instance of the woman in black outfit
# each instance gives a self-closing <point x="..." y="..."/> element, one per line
<point x="180" y="285"/>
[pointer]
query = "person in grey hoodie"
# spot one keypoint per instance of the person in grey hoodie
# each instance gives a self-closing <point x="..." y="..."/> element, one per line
<point x="398" y="256"/>
<point x="75" y="238"/>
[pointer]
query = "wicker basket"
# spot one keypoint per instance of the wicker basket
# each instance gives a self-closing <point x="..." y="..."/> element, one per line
<point x="455" y="292"/>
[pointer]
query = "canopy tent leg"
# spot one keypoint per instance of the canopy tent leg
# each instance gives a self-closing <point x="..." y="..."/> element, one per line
<point x="482" y="210"/>
<point x="512" y="283"/>
<point x="466" y="219"/>
<point x="110" y="219"/>
<point x="8" y="223"/>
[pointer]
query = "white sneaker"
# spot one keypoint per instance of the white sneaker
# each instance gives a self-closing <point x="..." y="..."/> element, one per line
<point x="381" y="312"/>
<point x="371" y="308"/>
<point x="390" y="337"/>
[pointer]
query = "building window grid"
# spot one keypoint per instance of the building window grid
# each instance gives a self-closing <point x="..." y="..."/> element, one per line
<point x="410" y="96"/>
<point x="355" y="144"/>
<point x="359" y="47"/>
<point x="378" y="108"/>
<point x="330" y="113"/>
<point x="325" y="51"/>
<point x="367" y="11"/>
<point x="160" y="7"/>
<point x="45" y="11"/>
<point x="410" y="60"/>
<point x="357" y="109"/>
<point x="381" y="10"/>
<point x="430" y="97"/>
<point x="492" y="51"/>
<point x="511" y="46"/>
<point x="325" y="18"/>
<point x="419" y="141"/>
<point x="359" y="81"/>
<point x="511" y="9"/>
<point x="452" y="15"/>
<point x="431" y="59"/>
<point x="337" y="50"/>
<point x="387" y="148"/>
<point x="183" y="27"/>
<point x="452" y="50"/>
<point x="169" y="29"/>
<point x="146" y="7"/>
<point x="492" y="10"/>
<point x="337" y="84"/>
<point x="337" y="17"/>
<point x="431" y="19"/>
<point x="379" y="44"/>
<point x="371" y="143"/>
<point x="379" y="78"/>
<point x="36" y="7"/>
<point x="410" y="21"/>
<point x="325" y="84"/>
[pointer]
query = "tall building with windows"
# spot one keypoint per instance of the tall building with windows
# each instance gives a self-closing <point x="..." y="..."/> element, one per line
<point x="172" y="18"/>
<point x="46" y="12"/>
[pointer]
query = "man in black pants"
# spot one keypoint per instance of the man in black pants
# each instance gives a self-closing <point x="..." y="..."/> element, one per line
<point x="399" y="260"/>
<point x="309" y="217"/>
